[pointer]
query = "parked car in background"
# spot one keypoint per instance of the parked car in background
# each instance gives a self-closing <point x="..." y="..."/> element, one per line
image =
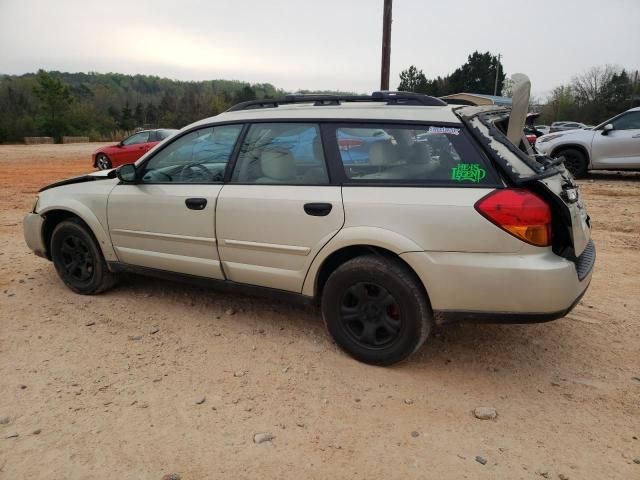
<point x="531" y="134"/>
<point x="562" y="126"/>
<point x="544" y="129"/>
<point x="612" y="145"/>
<point x="130" y="149"/>
<point x="441" y="219"/>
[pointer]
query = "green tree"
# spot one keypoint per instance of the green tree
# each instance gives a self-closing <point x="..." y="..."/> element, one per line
<point x="151" y="114"/>
<point x="55" y="98"/>
<point x="247" y="93"/>
<point x="478" y="74"/>
<point x="139" y="115"/>
<point x="413" y="80"/>
<point x="126" y="119"/>
<point x="560" y="106"/>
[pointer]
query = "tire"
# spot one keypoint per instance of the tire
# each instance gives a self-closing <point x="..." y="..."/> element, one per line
<point x="376" y="310"/>
<point x="78" y="259"/>
<point x="103" y="162"/>
<point x="575" y="161"/>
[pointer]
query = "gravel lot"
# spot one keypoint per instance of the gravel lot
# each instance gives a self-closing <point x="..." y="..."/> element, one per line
<point x="155" y="377"/>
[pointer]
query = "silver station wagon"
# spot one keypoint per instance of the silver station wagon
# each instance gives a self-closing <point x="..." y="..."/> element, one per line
<point x="393" y="212"/>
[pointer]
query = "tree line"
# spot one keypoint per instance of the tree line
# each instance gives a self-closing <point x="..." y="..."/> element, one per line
<point x="476" y="75"/>
<point x="593" y="96"/>
<point x="106" y="106"/>
<point x="590" y="97"/>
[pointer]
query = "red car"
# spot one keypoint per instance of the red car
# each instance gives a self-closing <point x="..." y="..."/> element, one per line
<point x="130" y="149"/>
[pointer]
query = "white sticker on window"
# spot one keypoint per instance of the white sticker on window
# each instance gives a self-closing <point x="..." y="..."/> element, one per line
<point x="447" y="130"/>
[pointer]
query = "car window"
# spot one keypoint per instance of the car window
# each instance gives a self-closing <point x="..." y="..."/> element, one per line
<point x="409" y="154"/>
<point x="282" y="153"/>
<point x="141" y="137"/>
<point x="628" y="121"/>
<point x="162" y="134"/>
<point x="200" y="156"/>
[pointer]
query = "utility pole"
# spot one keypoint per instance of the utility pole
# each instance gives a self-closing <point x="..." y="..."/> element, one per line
<point x="386" y="45"/>
<point x="495" y="86"/>
<point x="634" y="82"/>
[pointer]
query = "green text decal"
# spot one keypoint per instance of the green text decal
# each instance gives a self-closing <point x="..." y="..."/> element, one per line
<point x="471" y="172"/>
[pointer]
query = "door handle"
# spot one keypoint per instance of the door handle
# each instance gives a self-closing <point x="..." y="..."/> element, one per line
<point x="317" y="209"/>
<point x="637" y="135"/>
<point x="196" y="203"/>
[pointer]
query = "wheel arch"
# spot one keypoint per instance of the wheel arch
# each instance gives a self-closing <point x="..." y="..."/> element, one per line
<point x="55" y="215"/>
<point x="575" y="146"/>
<point x="351" y="243"/>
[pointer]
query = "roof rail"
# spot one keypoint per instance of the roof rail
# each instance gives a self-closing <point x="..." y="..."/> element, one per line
<point x="318" y="100"/>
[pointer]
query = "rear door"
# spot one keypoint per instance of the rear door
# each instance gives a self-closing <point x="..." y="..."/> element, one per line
<point x="620" y="147"/>
<point x="279" y="207"/>
<point x="167" y="220"/>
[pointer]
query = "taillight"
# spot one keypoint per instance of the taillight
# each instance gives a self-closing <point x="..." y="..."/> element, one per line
<point x="519" y="212"/>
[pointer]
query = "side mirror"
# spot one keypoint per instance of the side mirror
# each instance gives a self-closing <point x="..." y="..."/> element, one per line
<point x="127" y="173"/>
<point x="607" y="128"/>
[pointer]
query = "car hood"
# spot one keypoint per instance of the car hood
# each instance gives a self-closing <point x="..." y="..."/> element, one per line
<point x="88" y="177"/>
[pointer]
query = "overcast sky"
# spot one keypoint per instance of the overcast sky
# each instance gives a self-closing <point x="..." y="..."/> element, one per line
<point x="323" y="44"/>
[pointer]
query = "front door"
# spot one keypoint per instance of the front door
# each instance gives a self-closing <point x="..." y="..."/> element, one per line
<point x="130" y="149"/>
<point x="167" y="220"/>
<point x="279" y="209"/>
<point x="620" y="147"/>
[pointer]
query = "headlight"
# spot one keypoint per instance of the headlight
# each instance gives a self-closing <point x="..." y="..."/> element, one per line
<point x="546" y="138"/>
<point x="35" y="205"/>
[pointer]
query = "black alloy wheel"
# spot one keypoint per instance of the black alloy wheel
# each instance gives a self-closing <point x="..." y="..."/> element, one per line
<point x="77" y="260"/>
<point x="370" y="315"/>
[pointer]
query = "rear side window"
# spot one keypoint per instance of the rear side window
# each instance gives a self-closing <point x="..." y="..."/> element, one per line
<point x="282" y="154"/>
<point x="412" y="154"/>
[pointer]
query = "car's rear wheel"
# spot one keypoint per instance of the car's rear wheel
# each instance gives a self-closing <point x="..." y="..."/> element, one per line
<point x="103" y="162"/>
<point x="376" y="310"/>
<point x="575" y="161"/>
<point x="78" y="259"/>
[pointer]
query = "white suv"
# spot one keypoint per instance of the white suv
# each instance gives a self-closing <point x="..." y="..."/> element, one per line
<point x="394" y="212"/>
<point x="612" y="145"/>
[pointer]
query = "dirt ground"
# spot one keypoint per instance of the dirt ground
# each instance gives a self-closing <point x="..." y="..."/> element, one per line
<point x="92" y="392"/>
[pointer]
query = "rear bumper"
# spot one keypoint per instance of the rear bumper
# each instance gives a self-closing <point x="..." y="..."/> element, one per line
<point x="442" y="317"/>
<point x="535" y="287"/>
<point x="32" y="226"/>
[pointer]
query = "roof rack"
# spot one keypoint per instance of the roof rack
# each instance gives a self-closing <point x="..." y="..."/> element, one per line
<point x="390" y="98"/>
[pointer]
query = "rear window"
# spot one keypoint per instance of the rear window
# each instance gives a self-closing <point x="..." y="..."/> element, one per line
<point x="412" y="154"/>
<point x="162" y="134"/>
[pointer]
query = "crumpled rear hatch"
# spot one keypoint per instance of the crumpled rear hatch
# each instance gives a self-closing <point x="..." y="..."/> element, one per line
<point x="522" y="167"/>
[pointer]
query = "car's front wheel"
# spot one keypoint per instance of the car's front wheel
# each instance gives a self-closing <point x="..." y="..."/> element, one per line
<point x="575" y="161"/>
<point x="376" y="310"/>
<point x="103" y="162"/>
<point x="78" y="259"/>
